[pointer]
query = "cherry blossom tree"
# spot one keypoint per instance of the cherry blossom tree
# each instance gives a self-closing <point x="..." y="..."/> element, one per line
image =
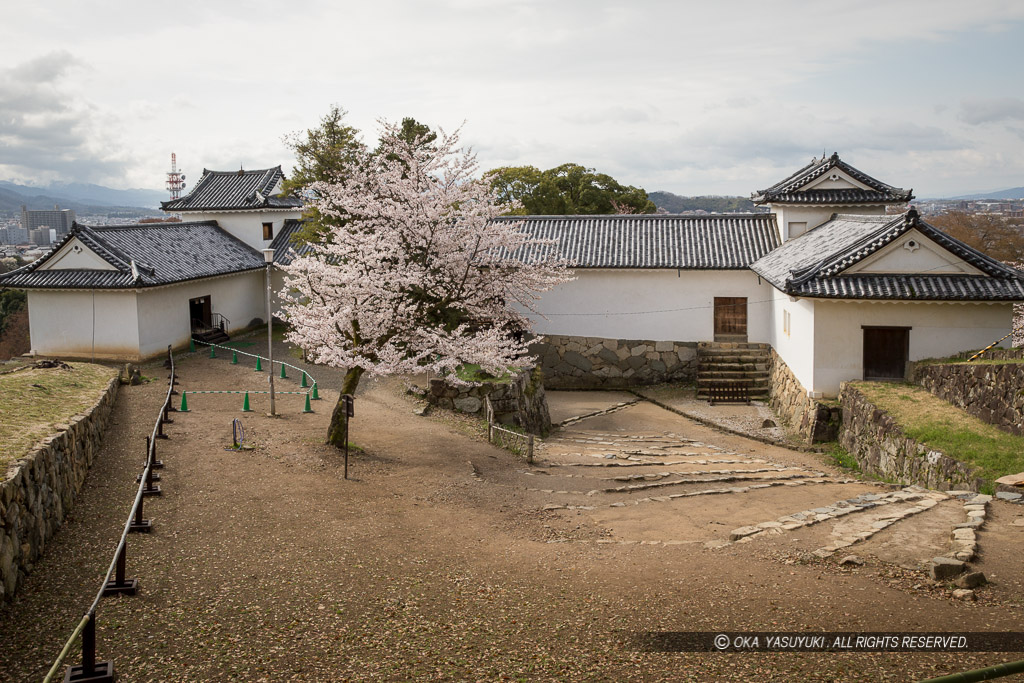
<point x="415" y="274"/>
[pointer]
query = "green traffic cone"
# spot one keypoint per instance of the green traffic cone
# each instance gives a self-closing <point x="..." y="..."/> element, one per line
<point x="184" y="403"/>
<point x="283" y="374"/>
<point x="316" y="394"/>
<point x="259" y="368"/>
<point x="245" y="404"/>
<point x="191" y="345"/>
<point x="304" y="384"/>
<point x="234" y="357"/>
<point x="213" y="352"/>
<point x="308" y="408"/>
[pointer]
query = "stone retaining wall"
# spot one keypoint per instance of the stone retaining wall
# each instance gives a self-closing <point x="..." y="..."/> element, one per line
<point x="520" y="402"/>
<point x="813" y="420"/>
<point x="595" y="362"/>
<point x="881" y="448"/>
<point x="41" y="488"/>
<point x="996" y="354"/>
<point x="992" y="393"/>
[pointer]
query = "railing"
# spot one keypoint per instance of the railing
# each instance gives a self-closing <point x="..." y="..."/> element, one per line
<point x="90" y="669"/>
<point x="217" y="322"/>
<point x="220" y="322"/>
<point x="506" y="438"/>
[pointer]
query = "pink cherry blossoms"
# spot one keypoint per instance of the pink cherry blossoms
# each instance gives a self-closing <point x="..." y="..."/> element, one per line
<point x="414" y="275"/>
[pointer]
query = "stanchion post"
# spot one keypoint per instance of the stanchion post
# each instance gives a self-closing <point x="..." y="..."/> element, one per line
<point x="529" y="449"/>
<point x="120" y="585"/>
<point x="90" y="670"/>
<point x="150" y="489"/>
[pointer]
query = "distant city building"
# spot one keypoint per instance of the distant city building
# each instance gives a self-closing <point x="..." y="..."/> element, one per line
<point x="58" y="219"/>
<point x="43" y="237"/>
<point x="13" y="234"/>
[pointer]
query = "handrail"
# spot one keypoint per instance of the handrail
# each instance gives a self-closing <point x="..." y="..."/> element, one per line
<point x="145" y="480"/>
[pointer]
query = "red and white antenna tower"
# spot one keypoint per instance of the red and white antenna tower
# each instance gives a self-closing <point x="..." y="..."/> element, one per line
<point x="175" y="179"/>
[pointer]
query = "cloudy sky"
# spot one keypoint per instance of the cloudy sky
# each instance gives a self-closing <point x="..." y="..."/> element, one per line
<point x="689" y="97"/>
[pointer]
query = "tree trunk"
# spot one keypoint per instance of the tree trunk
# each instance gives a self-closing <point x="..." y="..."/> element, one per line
<point x="336" y="432"/>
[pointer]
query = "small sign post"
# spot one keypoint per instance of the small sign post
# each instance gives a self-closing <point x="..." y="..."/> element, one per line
<point x="348" y="403"/>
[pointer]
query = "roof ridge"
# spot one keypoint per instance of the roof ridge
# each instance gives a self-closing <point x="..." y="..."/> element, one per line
<point x="650" y="216"/>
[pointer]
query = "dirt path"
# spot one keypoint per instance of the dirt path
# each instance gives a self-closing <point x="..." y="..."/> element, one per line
<point x="437" y="561"/>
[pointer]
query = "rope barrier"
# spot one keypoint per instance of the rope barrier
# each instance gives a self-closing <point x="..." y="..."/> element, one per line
<point x="89" y="668"/>
<point x="987" y="348"/>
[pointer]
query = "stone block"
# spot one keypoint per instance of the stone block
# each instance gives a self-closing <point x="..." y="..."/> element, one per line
<point x="664" y="346"/>
<point x="638" y="350"/>
<point x="972" y="580"/>
<point x="944" y="568"/>
<point x="470" y="404"/>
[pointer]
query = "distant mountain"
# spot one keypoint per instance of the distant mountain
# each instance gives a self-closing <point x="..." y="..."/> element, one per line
<point x="674" y="203"/>
<point x="80" y="197"/>
<point x="1012" y="193"/>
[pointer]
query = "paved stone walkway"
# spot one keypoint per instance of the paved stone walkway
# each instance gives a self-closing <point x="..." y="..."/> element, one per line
<point x="644" y="483"/>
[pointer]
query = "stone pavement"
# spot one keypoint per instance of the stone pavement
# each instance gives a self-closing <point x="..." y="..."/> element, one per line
<point x="646" y="475"/>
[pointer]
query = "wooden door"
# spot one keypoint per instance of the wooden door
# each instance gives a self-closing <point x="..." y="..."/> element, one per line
<point x="886" y="351"/>
<point x="730" y="318"/>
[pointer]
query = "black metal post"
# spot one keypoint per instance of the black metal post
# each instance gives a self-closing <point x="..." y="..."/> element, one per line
<point x="346" y="445"/>
<point x="167" y="408"/>
<point x="139" y="524"/>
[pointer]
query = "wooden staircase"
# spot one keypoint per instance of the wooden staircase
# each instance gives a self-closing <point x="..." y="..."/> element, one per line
<point x="742" y="364"/>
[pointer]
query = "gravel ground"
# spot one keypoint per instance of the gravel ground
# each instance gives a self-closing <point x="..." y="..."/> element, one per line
<point x="266" y="565"/>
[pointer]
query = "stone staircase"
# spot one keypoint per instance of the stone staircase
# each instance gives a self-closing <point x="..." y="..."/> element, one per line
<point x="741" y="363"/>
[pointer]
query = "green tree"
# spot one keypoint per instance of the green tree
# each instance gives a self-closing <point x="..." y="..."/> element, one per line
<point x="321" y="155"/>
<point x="566" y="189"/>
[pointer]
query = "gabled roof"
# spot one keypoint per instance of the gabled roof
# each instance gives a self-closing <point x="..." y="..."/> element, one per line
<point x="143" y="255"/>
<point x="788" y="191"/>
<point x="285" y="250"/>
<point x="234" y="191"/>
<point x="812" y="264"/>
<point x="707" y="242"/>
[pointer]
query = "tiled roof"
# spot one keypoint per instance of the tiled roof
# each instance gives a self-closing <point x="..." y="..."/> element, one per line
<point x="144" y="255"/>
<point x="234" y="191"/>
<point x="709" y="242"/>
<point x="285" y="250"/>
<point x="812" y="264"/>
<point x="788" y="191"/>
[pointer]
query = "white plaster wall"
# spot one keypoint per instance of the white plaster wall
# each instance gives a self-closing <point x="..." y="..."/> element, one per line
<point x="612" y="294"/>
<point x="938" y="330"/>
<point x="925" y="257"/>
<point x="163" y="316"/>
<point x="64" y="322"/>
<point x="246" y="225"/>
<point x="75" y="255"/>
<point x="815" y="215"/>
<point x="797" y="347"/>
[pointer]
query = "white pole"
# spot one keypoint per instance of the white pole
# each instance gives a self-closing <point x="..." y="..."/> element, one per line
<point x="268" y="256"/>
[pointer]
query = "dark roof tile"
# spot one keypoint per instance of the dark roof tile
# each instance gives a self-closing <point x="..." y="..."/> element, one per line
<point x="709" y="242"/>
<point x="144" y="255"/>
<point x="235" y="191"/>
<point x="788" y="191"/>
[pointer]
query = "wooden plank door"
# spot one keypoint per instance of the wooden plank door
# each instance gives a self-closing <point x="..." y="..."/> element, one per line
<point x="886" y="351"/>
<point x="730" y="318"/>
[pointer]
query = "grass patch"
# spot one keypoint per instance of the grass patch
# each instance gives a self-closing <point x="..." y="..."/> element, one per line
<point x="944" y="427"/>
<point x="840" y="456"/>
<point x="37" y="399"/>
<point x="471" y="372"/>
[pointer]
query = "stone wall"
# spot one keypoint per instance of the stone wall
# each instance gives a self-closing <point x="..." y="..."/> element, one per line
<point x="41" y="488"/>
<point x="520" y="402"/>
<point x="992" y="393"/>
<point x="594" y="362"/>
<point x="878" y="443"/>
<point x="815" y="421"/>
<point x="996" y="354"/>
